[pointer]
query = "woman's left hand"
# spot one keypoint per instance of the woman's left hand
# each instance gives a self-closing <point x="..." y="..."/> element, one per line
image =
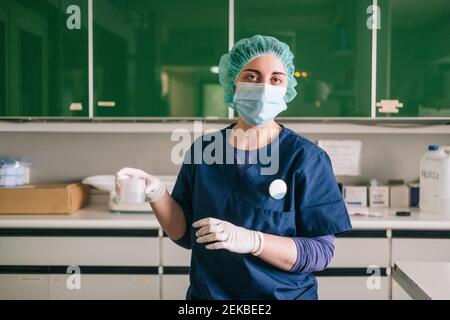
<point x="225" y="235"/>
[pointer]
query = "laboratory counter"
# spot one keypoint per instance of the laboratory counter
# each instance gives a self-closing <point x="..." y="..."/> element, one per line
<point x="129" y="256"/>
<point x="99" y="216"/>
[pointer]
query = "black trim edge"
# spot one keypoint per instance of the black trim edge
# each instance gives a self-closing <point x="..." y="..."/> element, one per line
<point x="24" y="269"/>
<point x="364" y="234"/>
<point x="330" y="272"/>
<point x="347" y="272"/>
<point x="424" y="234"/>
<point x="176" y="270"/>
<point x="84" y="270"/>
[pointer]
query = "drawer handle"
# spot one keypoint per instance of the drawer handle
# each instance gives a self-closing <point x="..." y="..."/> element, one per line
<point x="31" y="278"/>
<point x="107" y="104"/>
<point x="142" y="279"/>
<point x="389" y="106"/>
<point x="76" y="106"/>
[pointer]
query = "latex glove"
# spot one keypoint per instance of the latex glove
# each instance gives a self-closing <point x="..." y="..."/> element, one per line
<point x="154" y="187"/>
<point x="228" y="236"/>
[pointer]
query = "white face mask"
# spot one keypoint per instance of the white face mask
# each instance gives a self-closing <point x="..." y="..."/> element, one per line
<point x="259" y="103"/>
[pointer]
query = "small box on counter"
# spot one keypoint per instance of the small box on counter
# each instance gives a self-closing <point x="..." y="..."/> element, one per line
<point x="379" y="196"/>
<point x="399" y="196"/>
<point x="355" y="195"/>
<point x="43" y="199"/>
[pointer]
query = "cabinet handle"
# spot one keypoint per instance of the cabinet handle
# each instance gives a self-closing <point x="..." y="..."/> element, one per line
<point x="31" y="278"/>
<point x="107" y="104"/>
<point x="76" y="106"/>
<point x="389" y="106"/>
<point x="142" y="279"/>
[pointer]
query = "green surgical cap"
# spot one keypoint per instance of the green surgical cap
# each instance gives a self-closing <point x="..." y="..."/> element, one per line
<point x="244" y="51"/>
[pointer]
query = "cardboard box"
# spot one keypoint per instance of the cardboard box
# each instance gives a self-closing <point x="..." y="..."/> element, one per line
<point x="399" y="196"/>
<point x="43" y="199"/>
<point x="379" y="196"/>
<point x="355" y="195"/>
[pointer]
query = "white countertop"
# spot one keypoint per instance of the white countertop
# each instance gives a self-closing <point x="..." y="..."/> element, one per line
<point x="388" y="220"/>
<point x="424" y="280"/>
<point x="92" y="216"/>
<point x="99" y="216"/>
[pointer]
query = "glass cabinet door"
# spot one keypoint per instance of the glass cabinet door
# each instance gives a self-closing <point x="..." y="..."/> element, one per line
<point x="413" y="67"/>
<point x="43" y="58"/>
<point x="159" y="58"/>
<point x="331" y="43"/>
<point x="3" y="64"/>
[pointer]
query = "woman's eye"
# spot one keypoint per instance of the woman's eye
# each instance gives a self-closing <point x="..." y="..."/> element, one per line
<point x="277" y="80"/>
<point x="252" y="77"/>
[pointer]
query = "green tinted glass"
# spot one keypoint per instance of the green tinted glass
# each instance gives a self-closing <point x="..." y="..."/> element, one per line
<point x="414" y="58"/>
<point x="3" y="80"/>
<point x="43" y="59"/>
<point x="158" y="58"/>
<point x="332" y="47"/>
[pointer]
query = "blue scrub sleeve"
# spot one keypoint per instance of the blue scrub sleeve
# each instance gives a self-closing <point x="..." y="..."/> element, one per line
<point x="182" y="194"/>
<point x="320" y="208"/>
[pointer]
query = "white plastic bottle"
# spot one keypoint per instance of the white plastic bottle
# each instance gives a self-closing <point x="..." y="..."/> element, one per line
<point x="435" y="181"/>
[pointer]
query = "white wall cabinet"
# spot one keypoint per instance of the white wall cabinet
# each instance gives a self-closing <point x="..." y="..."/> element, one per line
<point x="81" y="251"/>
<point x="174" y="255"/>
<point x="23" y="287"/>
<point x="105" y="286"/>
<point x="153" y="267"/>
<point x="360" y="252"/>
<point x="420" y="249"/>
<point x="351" y="288"/>
<point x="175" y="286"/>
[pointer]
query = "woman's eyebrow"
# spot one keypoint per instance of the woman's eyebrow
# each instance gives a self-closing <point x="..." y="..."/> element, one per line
<point x="253" y="70"/>
<point x="259" y="72"/>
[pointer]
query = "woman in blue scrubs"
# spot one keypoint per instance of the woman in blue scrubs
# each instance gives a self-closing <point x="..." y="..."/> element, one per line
<point x="258" y="229"/>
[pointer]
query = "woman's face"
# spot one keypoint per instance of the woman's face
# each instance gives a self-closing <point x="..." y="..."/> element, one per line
<point x="264" y="69"/>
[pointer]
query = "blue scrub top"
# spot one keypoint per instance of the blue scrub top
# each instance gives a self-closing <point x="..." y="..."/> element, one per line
<point x="313" y="206"/>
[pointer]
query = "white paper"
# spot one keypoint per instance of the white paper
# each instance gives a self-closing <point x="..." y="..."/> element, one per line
<point x="345" y="156"/>
<point x="357" y="210"/>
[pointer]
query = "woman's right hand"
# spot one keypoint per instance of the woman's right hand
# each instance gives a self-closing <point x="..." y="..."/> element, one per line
<point x="154" y="187"/>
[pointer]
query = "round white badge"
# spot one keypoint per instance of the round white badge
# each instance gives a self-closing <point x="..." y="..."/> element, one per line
<point x="277" y="189"/>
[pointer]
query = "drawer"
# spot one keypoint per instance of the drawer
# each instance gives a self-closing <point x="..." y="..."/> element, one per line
<point x="351" y="288"/>
<point x="174" y="287"/>
<point x="108" y="287"/>
<point x="174" y="255"/>
<point x="360" y="252"/>
<point x="82" y="251"/>
<point x="23" y="286"/>
<point x="420" y="249"/>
